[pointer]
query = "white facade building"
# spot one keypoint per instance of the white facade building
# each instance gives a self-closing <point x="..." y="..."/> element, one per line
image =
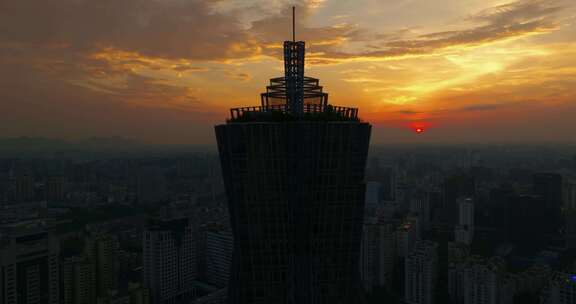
<point x="169" y="260"/>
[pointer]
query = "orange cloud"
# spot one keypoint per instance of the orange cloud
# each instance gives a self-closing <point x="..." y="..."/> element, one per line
<point x="191" y="60"/>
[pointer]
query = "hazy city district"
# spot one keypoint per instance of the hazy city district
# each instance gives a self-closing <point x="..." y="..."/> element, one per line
<point x="477" y="224"/>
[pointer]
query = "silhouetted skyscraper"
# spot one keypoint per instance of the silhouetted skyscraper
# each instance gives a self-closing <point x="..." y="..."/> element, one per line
<point x="527" y="222"/>
<point x="549" y="187"/>
<point x="569" y="204"/>
<point x="294" y="176"/>
<point x="569" y="194"/>
<point x="151" y="185"/>
<point x="387" y="177"/>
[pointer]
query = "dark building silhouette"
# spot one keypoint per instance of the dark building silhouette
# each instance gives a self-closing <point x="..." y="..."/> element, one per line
<point x="29" y="266"/>
<point x="55" y="189"/>
<point x="23" y="189"/>
<point x="453" y="188"/>
<point x="548" y="186"/>
<point x="498" y="210"/>
<point x="526" y="222"/>
<point x="150" y="185"/>
<point x="387" y="177"/>
<point x="293" y="170"/>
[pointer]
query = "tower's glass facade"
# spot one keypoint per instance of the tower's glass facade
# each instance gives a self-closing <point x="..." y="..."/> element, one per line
<point x="295" y="185"/>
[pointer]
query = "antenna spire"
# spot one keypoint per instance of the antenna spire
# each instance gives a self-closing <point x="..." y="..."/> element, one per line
<point x="294" y="71"/>
<point x="293" y="23"/>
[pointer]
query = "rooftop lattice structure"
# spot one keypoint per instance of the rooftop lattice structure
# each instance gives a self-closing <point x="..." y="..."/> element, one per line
<point x="294" y="96"/>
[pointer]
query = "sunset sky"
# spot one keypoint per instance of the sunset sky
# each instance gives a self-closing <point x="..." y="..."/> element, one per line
<point x="167" y="71"/>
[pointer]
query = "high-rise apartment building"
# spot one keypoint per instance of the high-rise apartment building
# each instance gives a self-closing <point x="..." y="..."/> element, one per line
<point x="373" y="194"/>
<point x="421" y="206"/>
<point x="421" y="273"/>
<point x="464" y="232"/>
<point x="78" y="281"/>
<point x="569" y="194"/>
<point x="169" y="260"/>
<point x="102" y="249"/>
<point x="570" y="233"/>
<point x="458" y="254"/>
<point x="406" y="236"/>
<point x="387" y="177"/>
<point x="218" y="251"/>
<point x="23" y="188"/>
<point x="378" y="254"/>
<point x="293" y="170"/>
<point x="485" y="282"/>
<point x="455" y="187"/>
<point x="549" y="186"/>
<point x="29" y="272"/>
<point x="477" y="280"/>
<point x="55" y="189"/>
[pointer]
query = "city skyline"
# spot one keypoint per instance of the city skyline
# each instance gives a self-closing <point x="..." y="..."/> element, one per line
<point x="482" y="220"/>
<point x="139" y="165"/>
<point x="474" y="71"/>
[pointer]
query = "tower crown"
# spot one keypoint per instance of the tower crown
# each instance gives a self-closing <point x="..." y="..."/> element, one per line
<point x="295" y="96"/>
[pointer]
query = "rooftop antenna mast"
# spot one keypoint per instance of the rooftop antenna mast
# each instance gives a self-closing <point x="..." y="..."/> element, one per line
<point x="294" y="24"/>
<point x="294" y="71"/>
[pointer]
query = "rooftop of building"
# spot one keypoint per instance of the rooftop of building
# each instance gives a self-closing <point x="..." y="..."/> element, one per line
<point x="282" y="114"/>
<point x="293" y="97"/>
